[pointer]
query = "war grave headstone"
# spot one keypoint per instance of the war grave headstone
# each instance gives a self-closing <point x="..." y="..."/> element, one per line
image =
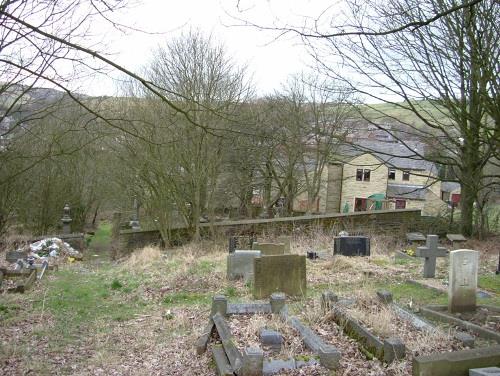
<point x="240" y="264"/>
<point x="286" y="273"/>
<point x="351" y="246"/>
<point x="230" y="360"/>
<point x="462" y="310"/>
<point x="430" y="252"/>
<point x="270" y="249"/>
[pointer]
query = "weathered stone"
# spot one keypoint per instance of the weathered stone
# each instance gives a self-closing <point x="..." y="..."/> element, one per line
<point x="299" y="363"/>
<point x="286" y="240"/>
<point x="277" y="301"/>
<point x="271" y="338"/>
<point x="311" y="340"/>
<point x="13" y="256"/>
<point x="463" y="280"/>
<point x="415" y="237"/>
<point x="430" y="252"/>
<point x="456" y="238"/>
<point x="219" y="305"/>
<point x="465" y="338"/>
<point x="248" y="308"/>
<point x="285" y="273"/>
<point x="240" y="264"/>
<point x="253" y="362"/>
<point x="270" y="249"/>
<point x="276" y="365"/>
<point x="226" y="338"/>
<point x="202" y="342"/>
<point x="329" y="356"/>
<point x="328" y="299"/>
<point x="394" y="349"/>
<point x="456" y="363"/>
<point x="221" y="361"/>
<point x="416" y="321"/>
<point x="488" y="371"/>
<point x="66" y="220"/>
<point x="351" y="246"/>
<point x="385" y="296"/>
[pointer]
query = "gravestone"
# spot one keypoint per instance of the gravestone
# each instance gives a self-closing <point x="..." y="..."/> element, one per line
<point x="430" y="252"/>
<point x="284" y="273"/>
<point x="286" y="240"/>
<point x="134" y="221"/>
<point x="240" y="264"/>
<point x="13" y="256"/>
<point x="351" y="246"/>
<point x="463" y="280"/>
<point x="270" y="249"/>
<point x="412" y="237"/>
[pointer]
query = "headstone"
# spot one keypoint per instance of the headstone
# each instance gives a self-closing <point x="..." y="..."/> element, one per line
<point x="415" y="237"/>
<point x="253" y="362"/>
<point x="430" y="252"/>
<point x="329" y="356"/>
<point x="66" y="220"/>
<point x="13" y="256"/>
<point x="283" y="273"/>
<point x="219" y="305"/>
<point x="271" y="338"/>
<point x="286" y="240"/>
<point x="277" y="302"/>
<point x="463" y="280"/>
<point x="351" y="246"/>
<point x="385" y="296"/>
<point x="240" y="264"/>
<point x="270" y="249"/>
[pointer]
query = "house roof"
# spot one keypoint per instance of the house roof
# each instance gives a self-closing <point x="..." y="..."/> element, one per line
<point x="393" y="154"/>
<point x="414" y="192"/>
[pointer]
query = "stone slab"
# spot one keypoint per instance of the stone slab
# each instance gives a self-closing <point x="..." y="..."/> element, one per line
<point x="432" y="312"/>
<point x="456" y="238"/>
<point x="253" y="362"/>
<point x="284" y="273"/>
<point x="202" y="341"/>
<point x="488" y="371"/>
<point x="286" y="240"/>
<point x="232" y="352"/>
<point x="13" y="256"/>
<point x="240" y="264"/>
<point x="462" y="286"/>
<point x="351" y="246"/>
<point x="248" y="308"/>
<point x="271" y="338"/>
<point x="456" y="363"/>
<point x="221" y="362"/>
<point x="415" y="237"/>
<point x="274" y="366"/>
<point x="270" y="249"/>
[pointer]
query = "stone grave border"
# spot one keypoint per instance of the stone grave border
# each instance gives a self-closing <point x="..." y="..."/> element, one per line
<point x="26" y="283"/>
<point x="440" y="313"/>
<point x="371" y="345"/>
<point x="457" y="363"/>
<point x="229" y="360"/>
<point x="419" y="323"/>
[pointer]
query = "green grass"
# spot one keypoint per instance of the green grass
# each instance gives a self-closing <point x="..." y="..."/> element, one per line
<point x="102" y="236"/>
<point x="419" y="295"/>
<point x="187" y="298"/>
<point x="490" y="282"/>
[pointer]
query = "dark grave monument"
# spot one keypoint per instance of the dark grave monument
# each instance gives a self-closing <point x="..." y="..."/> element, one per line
<point x="241" y="242"/>
<point x="351" y="246"/>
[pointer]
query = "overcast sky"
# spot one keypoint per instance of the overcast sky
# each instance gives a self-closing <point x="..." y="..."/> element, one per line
<point x="269" y="60"/>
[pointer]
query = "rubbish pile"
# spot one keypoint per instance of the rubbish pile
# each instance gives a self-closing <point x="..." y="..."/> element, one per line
<point x="53" y="247"/>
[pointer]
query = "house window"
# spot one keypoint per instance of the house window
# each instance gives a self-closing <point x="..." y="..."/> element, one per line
<point x="359" y="204"/>
<point x="363" y="174"/>
<point x="400" y="204"/>
<point x="406" y="175"/>
<point x="392" y="174"/>
<point x="366" y="175"/>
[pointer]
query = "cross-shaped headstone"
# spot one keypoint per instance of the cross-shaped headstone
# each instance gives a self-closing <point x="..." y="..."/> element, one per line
<point x="430" y="252"/>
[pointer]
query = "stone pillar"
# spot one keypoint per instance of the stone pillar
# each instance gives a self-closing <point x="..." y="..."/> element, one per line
<point x="463" y="280"/>
<point x="277" y="301"/>
<point x="66" y="220"/>
<point x="219" y="305"/>
<point x="134" y="223"/>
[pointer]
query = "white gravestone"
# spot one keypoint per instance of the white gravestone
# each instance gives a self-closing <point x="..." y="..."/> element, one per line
<point x="463" y="280"/>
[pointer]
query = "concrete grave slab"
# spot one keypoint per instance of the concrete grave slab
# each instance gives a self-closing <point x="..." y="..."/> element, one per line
<point x="13" y="256"/>
<point x="240" y="264"/>
<point x="462" y="288"/>
<point x="415" y="237"/>
<point x="221" y="362"/>
<point x="284" y="273"/>
<point x="488" y="371"/>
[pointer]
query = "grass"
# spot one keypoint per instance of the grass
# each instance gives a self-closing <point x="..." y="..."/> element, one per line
<point x="102" y="237"/>
<point x="405" y="292"/>
<point x="490" y="282"/>
<point x="185" y="298"/>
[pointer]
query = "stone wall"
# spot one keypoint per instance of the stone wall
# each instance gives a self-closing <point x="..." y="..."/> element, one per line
<point x="380" y="221"/>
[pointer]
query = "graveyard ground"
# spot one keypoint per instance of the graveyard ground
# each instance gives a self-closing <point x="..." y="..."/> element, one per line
<point x="142" y="315"/>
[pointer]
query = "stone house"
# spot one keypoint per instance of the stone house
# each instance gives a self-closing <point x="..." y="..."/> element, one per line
<point x="380" y="175"/>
